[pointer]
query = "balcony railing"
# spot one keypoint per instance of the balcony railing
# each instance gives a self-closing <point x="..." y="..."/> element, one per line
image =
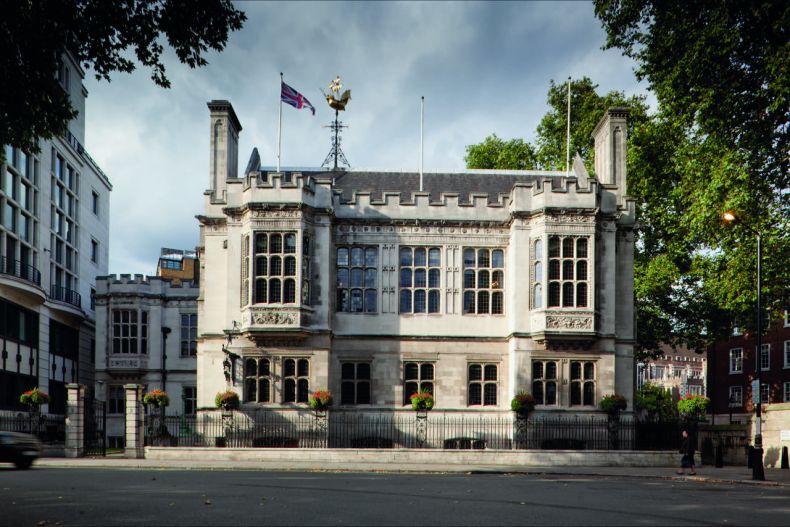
<point x="66" y="295"/>
<point x="20" y="270"/>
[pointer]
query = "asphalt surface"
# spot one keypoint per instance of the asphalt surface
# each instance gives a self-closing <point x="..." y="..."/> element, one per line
<point x="46" y="496"/>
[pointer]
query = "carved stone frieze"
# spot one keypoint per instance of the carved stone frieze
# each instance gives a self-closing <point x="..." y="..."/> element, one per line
<point x="569" y="218"/>
<point x="569" y="322"/>
<point x="276" y="214"/>
<point x="274" y="317"/>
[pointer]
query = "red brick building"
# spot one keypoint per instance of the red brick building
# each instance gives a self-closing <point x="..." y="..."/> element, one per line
<point x="732" y="367"/>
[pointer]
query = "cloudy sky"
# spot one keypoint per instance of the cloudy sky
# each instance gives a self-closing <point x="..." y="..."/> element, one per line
<point x="483" y="68"/>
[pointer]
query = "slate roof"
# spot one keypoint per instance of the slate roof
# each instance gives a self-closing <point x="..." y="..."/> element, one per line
<point x="463" y="183"/>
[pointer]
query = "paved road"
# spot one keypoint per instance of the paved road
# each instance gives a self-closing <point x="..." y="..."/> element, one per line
<point x="176" y="497"/>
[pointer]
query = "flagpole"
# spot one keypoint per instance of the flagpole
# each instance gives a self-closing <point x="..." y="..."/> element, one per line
<point x="280" y="126"/>
<point x="568" y="142"/>
<point x="422" y="119"/>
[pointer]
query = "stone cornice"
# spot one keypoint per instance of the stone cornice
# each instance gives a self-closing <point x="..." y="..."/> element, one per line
<point x="275" y="211"/>
<point x="212" y="221"/>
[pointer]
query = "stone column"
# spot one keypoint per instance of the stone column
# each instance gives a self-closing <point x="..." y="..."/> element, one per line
<point x="75" y="420"/>
<point x="135" y="436"/>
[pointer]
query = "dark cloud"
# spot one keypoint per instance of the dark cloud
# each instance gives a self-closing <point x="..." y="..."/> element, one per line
<point x="483" y="67"/>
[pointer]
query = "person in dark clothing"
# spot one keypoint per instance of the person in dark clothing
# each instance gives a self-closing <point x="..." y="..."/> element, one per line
<point x="687" y="449"/>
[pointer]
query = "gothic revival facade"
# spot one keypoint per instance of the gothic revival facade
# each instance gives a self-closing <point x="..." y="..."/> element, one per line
<point x="482" y="284"/>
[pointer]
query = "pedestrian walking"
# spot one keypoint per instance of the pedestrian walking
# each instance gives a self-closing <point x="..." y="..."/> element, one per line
<point x="687" y="449"/>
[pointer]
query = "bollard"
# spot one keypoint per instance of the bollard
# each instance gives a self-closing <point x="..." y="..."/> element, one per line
<point x="719" y="457"/>
<point x="784" y="458"/>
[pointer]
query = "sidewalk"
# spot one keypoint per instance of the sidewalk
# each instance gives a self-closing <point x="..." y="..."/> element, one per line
<point x="708" y="474"/>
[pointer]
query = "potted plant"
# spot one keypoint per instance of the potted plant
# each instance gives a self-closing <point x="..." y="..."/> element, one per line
<point x="320" y="400"/>
<point x="228" y="400"/>
<point x="422" y="401"/>
<point x="523" y="403"/>
<point x="34" y="398"/>
<point x="613" y="404"/>
<point x="157" y="399"/>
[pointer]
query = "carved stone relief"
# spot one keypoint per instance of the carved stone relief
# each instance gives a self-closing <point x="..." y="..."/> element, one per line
<point x="569" y="218"/>
<point x="274" y="318"/>
<point x="276" y="214"/>
<point x="568" y="322"/>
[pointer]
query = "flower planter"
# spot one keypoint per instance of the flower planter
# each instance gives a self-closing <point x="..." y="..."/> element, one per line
<point x="227" y="401"/>
<point x="320" y="401"/>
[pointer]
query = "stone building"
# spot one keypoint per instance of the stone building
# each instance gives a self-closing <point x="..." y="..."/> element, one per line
<point x="680" y="370"/>
<point x="146" y="328"/>
<point x="472" y="284"/>
<point x="54" y="240"/>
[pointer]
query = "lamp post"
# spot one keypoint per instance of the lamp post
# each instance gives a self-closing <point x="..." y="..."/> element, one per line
<point x="758" y="471"/>
<point x="165" y="333"/>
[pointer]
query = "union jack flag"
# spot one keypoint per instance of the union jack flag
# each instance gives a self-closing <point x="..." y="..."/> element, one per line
<point x="290" y="96"/>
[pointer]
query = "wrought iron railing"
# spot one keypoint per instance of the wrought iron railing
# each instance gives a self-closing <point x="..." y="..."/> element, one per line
<point x="403" y="430"/>
<point x="48" y="428"/>
<point x="16" y="268"/>
<point x="66" y="295"/>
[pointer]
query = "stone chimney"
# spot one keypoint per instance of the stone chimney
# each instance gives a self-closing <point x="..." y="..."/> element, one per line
<point x="224" y="140"/>
<point x="610" y="140"/>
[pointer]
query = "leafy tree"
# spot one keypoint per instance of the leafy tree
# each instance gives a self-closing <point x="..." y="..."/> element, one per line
<point x="587" y="108"/>
<point x="707" y="148"/>
<point x="723" y="67"/>
<point x="548" y="152"/>
<point x="495" y="153"/>
<point x="656" y="402"/>
<point x="721" y="73"/>
<point x="105" y="36"/>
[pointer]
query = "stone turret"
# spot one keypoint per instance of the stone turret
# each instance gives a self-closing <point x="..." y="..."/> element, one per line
<point x="224" y="153"/>
<point x="610" y="136"/>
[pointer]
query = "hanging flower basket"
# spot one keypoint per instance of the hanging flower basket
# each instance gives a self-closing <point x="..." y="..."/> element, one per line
<point x="228" y="400"/>
<point x="422" y="401"/>
<point x="320" y="400"/>
<point x="157" y="398"/>
<point x="34" y="398"/>
<point x="613" y="404"/>
<point x="693" y="407"/>
<point x="523" y="403"/>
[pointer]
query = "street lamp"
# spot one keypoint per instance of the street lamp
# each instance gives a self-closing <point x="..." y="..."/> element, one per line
<point x="165" y="333"/>
<point x="758" y="472"/>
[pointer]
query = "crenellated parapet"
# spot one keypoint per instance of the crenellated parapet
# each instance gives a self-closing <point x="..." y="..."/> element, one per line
<point x="143" y="286"/>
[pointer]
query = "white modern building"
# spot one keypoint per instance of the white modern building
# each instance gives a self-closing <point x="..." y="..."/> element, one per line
<point x="54" y="241"/>
<point x="471" y="284"/>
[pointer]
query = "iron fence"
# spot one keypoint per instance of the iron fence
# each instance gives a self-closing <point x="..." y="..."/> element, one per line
<point x="404" y="430"/>
<point x="49" y="429"/>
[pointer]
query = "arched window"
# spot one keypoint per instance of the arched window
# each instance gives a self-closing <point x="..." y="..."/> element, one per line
<point x="275" y="243"/>
<point x="289" y="291"/>
<point x="420" y="278"/>
<point x="273" y="261"/>
<point x="569" y="272"/>
<point x="567" y="294"/>
<point x="289" y="243"/>
<point x="483" y="274"/>
<point x="274" y="290"/>
<point x="290" y="266"/>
